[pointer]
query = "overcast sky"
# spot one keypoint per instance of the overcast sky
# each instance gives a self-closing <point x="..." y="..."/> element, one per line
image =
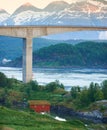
<point x="11" y="5"/>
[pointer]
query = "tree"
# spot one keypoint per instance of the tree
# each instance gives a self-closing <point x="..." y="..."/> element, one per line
<point x="54" y="85"/>
<point x="75" y="91"/>
<point x="3" y="80"/>
<point x="98" y="95"/>
<point x="2" y="96"/>
<point x="14" y="97"/>
<point x="94" y="92"/>
<point x="34" y="85"/>
<point x="84" y="99"/>
<point x="104" y="88"/>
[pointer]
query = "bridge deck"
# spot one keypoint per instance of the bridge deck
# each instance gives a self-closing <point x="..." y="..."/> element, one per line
<point x="37" y="31"/>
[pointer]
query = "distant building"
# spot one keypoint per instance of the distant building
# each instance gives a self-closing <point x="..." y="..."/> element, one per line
<point x="39" y="106"/>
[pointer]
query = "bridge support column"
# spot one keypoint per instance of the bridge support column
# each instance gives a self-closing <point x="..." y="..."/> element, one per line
<point x="27" y="59"/>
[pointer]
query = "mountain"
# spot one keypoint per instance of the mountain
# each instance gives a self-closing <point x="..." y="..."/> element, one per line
<point x="85" y="54"/>
<point x="26" y="7"/>
<point x="83" y="13"/>
<point x="3" y="16"/>
<point x="56" y="6"/>
<point x="23" y="15"/>
<point x="103" y="1"/>
<point x="11" y="48"/>
<point x="89" y="12"/>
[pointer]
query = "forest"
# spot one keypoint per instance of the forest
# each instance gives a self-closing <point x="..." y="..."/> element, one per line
<point x="85" y="54"/>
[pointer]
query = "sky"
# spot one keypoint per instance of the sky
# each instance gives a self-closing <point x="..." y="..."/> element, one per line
<point x="89" y="35"/>
<point x="11" y="5"/>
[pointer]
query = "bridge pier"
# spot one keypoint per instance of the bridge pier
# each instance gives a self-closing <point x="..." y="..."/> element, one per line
<point x="29" y="32"/>
<point x="27" y="59"/>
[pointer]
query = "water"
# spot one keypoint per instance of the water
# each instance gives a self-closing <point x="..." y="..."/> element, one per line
<point x="68" y="77"/>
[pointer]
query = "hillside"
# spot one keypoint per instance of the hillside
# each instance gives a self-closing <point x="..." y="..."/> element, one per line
<point x="11" y="48"/>
<point x="18" y="120"/>
<point x="84" y="54"/>
<point x="14" y="108"/>
<point x="16" y="115"/>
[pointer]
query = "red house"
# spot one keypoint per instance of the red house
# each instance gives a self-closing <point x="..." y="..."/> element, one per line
<point x="39" y="106"/>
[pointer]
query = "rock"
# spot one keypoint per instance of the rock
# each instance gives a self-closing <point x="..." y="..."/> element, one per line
<point x="62" y="111"/>
<point x="95" y="113"/>
<point x="104" y="120"/>
<point x="94" y="116"/>
<point x="102" y="102"/>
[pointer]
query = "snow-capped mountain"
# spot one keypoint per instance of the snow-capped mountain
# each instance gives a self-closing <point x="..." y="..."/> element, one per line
<point x="28" y="18"/>
<point x="3" y="16"/>
<point x="26" y="7"/>
<point x="86" y="12"/>
<point x="56" y="6"/>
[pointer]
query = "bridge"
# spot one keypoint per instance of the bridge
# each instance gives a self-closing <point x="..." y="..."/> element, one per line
<point x="27" y="33"/>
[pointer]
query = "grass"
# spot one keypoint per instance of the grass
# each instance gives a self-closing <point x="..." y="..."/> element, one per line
<point x="20" y="120"/>
<point x="5" y="128"/>
<point x="49" y="96"/>
<point x="98" y="127"/>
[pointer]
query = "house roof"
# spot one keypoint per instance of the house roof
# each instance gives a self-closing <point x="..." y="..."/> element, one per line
<point x="38" y="102"/>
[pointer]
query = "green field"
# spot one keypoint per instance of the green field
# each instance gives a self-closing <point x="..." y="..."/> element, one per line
<point x="20" y="120"/>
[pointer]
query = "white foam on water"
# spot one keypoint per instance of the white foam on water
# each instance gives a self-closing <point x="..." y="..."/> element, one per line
<point x="68" y="77"/>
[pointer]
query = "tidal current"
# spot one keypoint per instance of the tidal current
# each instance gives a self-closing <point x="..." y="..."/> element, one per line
<point x="68" y="77"/>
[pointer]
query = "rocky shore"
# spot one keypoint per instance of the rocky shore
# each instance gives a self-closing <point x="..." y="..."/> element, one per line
<point x="94" y="116"/>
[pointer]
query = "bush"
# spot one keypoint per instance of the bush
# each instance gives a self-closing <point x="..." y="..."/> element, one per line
<point x="53" y="86"/>
<point x="3" y="80"/>
<point x="104" y="88"/>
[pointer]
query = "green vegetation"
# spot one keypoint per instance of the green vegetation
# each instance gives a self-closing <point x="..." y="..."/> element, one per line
<point x="16" y="115"/>
<point x="14" y="93"/>
<point x="85" y="96"/>
<point x="9" y="50"/>
<point x="19" y="120"/>
<point x="85" y="54"/>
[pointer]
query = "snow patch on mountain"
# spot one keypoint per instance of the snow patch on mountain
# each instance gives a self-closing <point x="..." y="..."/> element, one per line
<point x="3" y="16"/>
<point x="29" y="16"/>
<point x="82" y="12"/>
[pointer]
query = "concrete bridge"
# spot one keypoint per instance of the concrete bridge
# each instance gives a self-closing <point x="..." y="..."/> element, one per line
<point x="30" y="32"/>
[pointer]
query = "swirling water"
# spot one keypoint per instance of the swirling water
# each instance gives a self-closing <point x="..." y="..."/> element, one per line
<point x="68" y="77"/>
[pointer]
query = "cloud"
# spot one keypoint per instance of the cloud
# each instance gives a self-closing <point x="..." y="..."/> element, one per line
<point x="103" y="35"/>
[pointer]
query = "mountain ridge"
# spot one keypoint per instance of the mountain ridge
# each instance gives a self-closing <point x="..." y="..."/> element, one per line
<point x="56" y="6"/>
<point x="10" y="51"/>
<point x="89" y="13"/>
<point x="87" y="54"/>
<point x="25" y="7"/>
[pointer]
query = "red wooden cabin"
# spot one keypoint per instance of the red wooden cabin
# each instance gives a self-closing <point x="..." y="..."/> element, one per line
<point x="40" y="106"/>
